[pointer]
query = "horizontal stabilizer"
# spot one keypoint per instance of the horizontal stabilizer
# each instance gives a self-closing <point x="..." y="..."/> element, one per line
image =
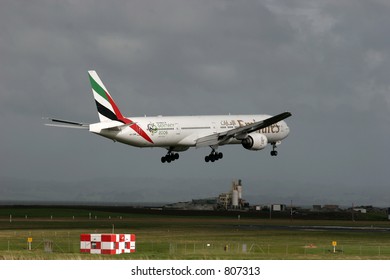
<point x="110" y="125"/>
<point x="67" y="124"/>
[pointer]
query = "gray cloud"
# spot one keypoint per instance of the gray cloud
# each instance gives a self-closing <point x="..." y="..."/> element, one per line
<point x="326" y="62"/>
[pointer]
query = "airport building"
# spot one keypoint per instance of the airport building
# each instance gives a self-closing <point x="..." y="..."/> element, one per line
<point x="231" y="200"/>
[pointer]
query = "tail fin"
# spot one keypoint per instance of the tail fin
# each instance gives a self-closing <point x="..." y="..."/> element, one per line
<point x="107" y="109"/>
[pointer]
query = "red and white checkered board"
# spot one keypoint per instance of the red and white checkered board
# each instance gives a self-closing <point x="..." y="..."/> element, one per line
<point x="107" y="243"/>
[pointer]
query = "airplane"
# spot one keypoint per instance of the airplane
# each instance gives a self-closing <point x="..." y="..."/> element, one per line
<point x="179" y="133"/>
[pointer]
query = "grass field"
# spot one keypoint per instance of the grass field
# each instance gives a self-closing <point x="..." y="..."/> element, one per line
<point x="183" y="237"/>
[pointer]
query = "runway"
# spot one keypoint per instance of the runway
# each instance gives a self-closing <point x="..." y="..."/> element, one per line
<point x="314" y="228"/>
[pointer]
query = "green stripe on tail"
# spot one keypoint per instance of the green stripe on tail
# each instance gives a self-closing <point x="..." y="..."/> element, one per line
<point x="97" y="88"/>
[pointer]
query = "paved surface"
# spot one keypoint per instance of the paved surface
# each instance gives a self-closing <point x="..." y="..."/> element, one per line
<point x="313" y="228"/>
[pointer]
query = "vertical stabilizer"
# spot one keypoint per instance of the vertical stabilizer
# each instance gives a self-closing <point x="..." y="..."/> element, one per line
<point x="107" y="109"/>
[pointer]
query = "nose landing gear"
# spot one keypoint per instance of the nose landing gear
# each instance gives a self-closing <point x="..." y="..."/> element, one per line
<point x="273" y="152"/>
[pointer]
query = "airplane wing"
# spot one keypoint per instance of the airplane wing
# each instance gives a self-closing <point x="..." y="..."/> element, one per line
<point x="239" y="132"/>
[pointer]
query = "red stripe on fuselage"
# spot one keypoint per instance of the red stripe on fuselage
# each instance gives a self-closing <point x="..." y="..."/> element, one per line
<point x="121" y="118"/>
<point x="140" y="131"/>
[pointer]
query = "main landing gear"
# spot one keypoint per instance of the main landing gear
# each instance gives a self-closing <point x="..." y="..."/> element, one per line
<point x="273" y="152"/>
<point x="170" y="157"/>
<point x="213" y="156"/>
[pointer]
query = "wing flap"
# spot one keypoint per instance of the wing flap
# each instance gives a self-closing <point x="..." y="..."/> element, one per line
<point x="206" y="141"/>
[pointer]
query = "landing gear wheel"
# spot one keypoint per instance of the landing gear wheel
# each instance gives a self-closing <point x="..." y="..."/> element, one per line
<point x="213" y="156"/>
<point x="169" y="157"/>
<point x="273" y="152"/>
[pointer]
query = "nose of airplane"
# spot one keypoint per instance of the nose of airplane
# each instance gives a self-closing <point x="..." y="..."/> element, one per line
<point x="286" y="129"/>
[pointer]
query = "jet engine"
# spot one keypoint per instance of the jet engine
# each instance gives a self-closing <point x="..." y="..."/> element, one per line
<point x="255" y="142"/>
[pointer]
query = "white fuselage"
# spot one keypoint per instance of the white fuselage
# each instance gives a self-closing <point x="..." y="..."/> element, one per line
<point x="181" y="132"/>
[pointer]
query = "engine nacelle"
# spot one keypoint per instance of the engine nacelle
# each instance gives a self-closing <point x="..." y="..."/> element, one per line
<point x="255" y="142"/>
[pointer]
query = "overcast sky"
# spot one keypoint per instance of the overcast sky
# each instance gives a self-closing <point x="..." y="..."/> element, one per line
<point x="327" y="62"/>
